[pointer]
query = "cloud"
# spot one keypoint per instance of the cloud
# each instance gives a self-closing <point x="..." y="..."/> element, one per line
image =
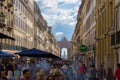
<point x="38" y="0"/>
<point x="59" y="14"/>
<point x="68" y="1"/>
<point x="72" y="23"/>
<point x="54" y="14"/>
<point x="59" y="33"/>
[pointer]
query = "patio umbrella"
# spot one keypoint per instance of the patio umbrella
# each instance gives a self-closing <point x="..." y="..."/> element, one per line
<point x="36" y="53"/>
<point x="3" y="36"/>
<point x="5" y="54"/>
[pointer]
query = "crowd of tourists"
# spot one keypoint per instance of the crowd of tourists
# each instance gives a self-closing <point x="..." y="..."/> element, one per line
<point x="44" y="69"/>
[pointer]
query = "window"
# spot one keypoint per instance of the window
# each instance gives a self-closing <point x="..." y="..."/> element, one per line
<point x="24" y="26"/>
<point x="16" y="3"/>
<point x="111" y="14"/>
<point x="102" y="22"/>
<point x="23" y="9"/>
<point x="20" y="23"/>
<point x="88" y="23"/>
<point x="17" y="21"/>
<point x="117" y="19"/>
<point x="88" y="6"/>
<point x="14" y="19"/>
<point x="19" y="5"/>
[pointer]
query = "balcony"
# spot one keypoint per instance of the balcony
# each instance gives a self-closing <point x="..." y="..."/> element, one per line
<point x="115" y="38"/>
<point x="5" y="46"/>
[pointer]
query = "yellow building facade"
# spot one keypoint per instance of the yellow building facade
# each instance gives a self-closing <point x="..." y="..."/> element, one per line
<point x="78" y="34"/>
<point x="104" y="23"/>
<point x="87" y="25"/>
<point x="6" y="24"/>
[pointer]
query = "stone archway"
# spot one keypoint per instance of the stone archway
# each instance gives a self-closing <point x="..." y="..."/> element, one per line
<point x="64" y="53"/>
<point x="64" y="47"/>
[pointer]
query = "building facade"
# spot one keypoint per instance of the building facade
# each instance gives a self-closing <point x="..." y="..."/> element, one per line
<point x="75" y="43"/>
<point x="115" y="35"/>
<point x="40" y="27"/>
<point x="84" y="33"/>
<point x="104" y="25"/>
<point x="51" y="44"/>
<point x="23" y="20"/>
<point x="43" y="37"/>
<point x="77" y="36"/>
<point x="24" y="24"/>
<point x="88" y="37"/>
<point x="6" y="24"/>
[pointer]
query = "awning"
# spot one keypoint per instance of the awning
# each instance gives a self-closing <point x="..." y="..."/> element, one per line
<point x="3" y="36"/>
<point x="36" y="53"/>
<point x="6" y="54"/>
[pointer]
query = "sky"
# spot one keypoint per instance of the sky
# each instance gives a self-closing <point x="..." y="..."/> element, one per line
<point x="61" y="15"/>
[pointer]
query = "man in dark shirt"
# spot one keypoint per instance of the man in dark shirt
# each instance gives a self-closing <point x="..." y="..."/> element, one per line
<point x="26" y="75"/>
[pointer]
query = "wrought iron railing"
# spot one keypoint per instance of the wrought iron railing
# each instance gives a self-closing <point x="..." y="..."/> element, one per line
<point x="11" y="47"/>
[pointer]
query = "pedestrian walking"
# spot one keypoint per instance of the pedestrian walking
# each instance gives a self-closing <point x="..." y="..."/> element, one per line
<point x="109" y="74"/>
<point x="52" y="69"/>
<point x="70" y="72"/>
<point x="16" y="74"/>
<point x="10" y="75"/>
<point x="81" y="72"/>
<point x="3" y="76"/>
<point x="1" y="67"/>
<point x="4" y="72"/>
<point x="45" y="66"/>
<point x="64" y="72"/>
<point x="26" y="75"/>
<point x="40" y="75"/>
<point x="91" y="74"/>
<point x="74" y="72"/>
<point x="23" y="68"/>
<point x="57" y="75"/>
<point x="49" y="78"/>
<point x="101" y="73"/>
<point x="117" y="72"/>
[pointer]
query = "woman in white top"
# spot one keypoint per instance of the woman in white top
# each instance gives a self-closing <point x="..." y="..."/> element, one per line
<point x="10" y="75"/>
